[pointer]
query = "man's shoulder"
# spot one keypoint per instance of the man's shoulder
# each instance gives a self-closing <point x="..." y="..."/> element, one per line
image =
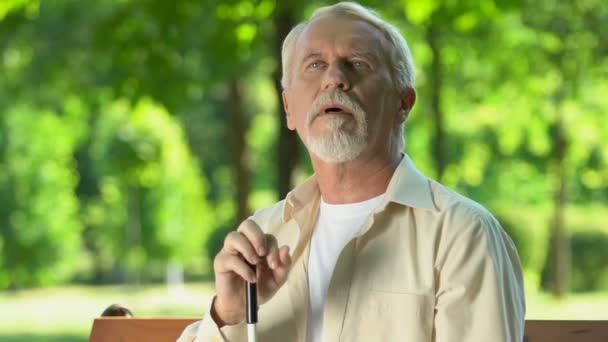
<point x="463" y="224"/>
<point x="461" y="211"/>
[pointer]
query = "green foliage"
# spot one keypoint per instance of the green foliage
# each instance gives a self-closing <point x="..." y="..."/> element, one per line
<point x="590" y="255"/>
<point x="153" y="199"/>
<point x="7" y="6"/>
<point x="521" y="239"/>
<point x="39" y="226"/>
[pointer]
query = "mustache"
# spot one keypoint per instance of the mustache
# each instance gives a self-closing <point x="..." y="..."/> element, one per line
<point x="336" y="97"/>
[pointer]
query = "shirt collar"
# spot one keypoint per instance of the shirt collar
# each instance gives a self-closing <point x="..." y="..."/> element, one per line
<point x="300" y="197"/>
<point x="408" y="186"/>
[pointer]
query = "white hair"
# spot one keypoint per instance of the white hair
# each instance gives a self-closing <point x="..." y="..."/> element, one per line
<point x="399" y="56"/>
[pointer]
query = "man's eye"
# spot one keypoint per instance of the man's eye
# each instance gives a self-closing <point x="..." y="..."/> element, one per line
<point x="315" y="65"/>
<point x="359" y="64"/>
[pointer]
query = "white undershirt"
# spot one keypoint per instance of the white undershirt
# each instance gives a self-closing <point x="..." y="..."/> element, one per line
<point x="336" y="226"/>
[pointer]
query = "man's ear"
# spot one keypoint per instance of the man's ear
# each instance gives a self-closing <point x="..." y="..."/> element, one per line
<point x="290" y="120"/>
<point x="408" y="99"/>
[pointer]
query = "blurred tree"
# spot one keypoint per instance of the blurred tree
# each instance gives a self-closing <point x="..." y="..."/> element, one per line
<point x="456" y="53"/>
<point x="285" y="17"/>
<point x="571" y="42"/>
<point x="590" y="255"/>
<point x="145" y="167"/>
<point x="39" y="226"/>
<point x="110" y="48"/>
<point x="454" y="35"/>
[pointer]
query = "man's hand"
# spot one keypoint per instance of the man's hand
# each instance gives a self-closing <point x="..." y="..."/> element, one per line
<point x="231" y="270"/>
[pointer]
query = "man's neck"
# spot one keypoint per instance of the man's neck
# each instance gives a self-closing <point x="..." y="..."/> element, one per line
<point x="355" y="181"/>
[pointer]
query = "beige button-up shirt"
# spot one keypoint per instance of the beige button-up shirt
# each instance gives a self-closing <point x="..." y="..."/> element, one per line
<point x="428" y="265"/>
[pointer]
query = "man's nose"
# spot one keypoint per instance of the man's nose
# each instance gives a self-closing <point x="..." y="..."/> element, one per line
<point x="336" y="77"/>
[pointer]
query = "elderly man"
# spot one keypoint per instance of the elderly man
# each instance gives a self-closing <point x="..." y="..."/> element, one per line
<point x="368" y="249"/>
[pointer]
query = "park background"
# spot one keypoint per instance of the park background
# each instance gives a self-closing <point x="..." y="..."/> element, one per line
<point x="134" y="134"/>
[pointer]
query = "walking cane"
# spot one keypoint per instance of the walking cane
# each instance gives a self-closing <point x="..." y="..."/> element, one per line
<point x="251" y="294"/>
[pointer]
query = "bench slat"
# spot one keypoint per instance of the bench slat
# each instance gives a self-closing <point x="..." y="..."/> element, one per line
<point x="121" y="329"/>
<point x="566" y="331"/>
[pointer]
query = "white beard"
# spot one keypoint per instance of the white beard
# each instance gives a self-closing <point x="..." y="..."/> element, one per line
<point x="339" y="145"/>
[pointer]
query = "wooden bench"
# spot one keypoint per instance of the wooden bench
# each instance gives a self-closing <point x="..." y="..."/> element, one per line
<point x="121" y="329"/>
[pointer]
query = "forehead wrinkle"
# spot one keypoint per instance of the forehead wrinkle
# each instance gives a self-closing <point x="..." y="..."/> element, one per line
<point x="367" y="54"/>
<point x="354" y="43"/>
<point x="315" y="54"/>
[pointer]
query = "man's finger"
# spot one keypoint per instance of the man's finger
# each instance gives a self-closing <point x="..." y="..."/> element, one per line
<point x="255" y="235"/>
<point x="272" y="257"/>
<point x="236" y="243"/>
<point x="225" y="262"/>
<point x="282" y="270"/>
<point x="284" y="256"/>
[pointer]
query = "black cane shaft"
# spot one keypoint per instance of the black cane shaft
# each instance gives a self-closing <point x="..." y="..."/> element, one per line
<point x="251" y="293"/>
<point x="252" y="303"/>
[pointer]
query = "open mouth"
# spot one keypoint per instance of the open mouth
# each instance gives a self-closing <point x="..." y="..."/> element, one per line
<point x="334" y="109"/>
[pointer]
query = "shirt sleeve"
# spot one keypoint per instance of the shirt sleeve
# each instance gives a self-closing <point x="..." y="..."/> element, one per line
<point x="479" y="283"/>
<point x="206" y="330"/>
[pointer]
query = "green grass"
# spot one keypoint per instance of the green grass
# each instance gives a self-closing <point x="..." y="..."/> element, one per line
<point x="575" y="306"/>
<point x="66" y="313"/>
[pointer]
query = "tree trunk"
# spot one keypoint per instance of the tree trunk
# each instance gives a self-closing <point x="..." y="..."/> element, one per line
<point x="238" y="130"/>
<point x="556" y="271"/>
<point x="436" y="84"/>
<point x="287" y="144"/>
<point x="133" y="248"/>
<point x="559" y="235"/>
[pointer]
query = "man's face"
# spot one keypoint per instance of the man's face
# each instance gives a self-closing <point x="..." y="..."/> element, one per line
<point x="342" y="100"/>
